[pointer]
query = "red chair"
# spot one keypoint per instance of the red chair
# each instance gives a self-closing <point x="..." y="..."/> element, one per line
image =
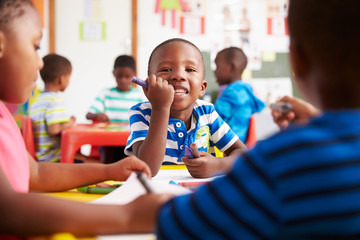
<point x="25" y="125"/>
<point x="251" y="134"/>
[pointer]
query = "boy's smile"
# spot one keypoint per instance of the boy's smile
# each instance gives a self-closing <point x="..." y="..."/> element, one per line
<point x="182" y="66"/>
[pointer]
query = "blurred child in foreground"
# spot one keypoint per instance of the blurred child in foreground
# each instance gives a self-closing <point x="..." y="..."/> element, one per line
<point x="29" y="214"/>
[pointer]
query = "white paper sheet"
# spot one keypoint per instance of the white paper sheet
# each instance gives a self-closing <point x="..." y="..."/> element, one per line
<point x="130" y="190"/>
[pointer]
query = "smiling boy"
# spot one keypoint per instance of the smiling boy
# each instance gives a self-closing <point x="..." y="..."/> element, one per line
<point x="174" y="117"/>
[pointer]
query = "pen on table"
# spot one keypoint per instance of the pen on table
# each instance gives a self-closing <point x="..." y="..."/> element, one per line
<point x="145" y="182"/>
<point x="283" y="107"/>
<point x="140" y="82"/>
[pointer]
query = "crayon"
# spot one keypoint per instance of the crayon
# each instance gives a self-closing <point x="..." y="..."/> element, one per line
<point x="96" y="190"/>
<point x="283" y="107"/>
<point x="140" y="82"/>
<point x="191" y="154"/>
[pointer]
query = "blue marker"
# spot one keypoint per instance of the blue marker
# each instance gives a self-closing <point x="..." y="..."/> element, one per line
<point x="140" y="82"/>
<point x="172" y="182"/>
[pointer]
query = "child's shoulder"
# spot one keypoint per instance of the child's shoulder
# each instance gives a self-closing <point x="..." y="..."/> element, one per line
<point x="203" y="106"/>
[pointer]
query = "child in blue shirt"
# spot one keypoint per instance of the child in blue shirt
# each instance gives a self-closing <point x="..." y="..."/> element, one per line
<point x="237" y="103"/>
<point x="303" y="182"/>
<point x="174" y="117"/>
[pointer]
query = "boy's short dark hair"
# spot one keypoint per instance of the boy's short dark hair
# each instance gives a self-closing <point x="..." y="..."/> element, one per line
<point x="174" y="40"/>
<point x="328" y="34"/>
<point x="11" y="9"/>
<point x="235" y="55"/>
<point x="54" y="67"/>
<point x="125" y="61"/>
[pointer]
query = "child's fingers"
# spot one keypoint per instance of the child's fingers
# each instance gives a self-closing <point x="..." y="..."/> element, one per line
<point x="191" y="162"/>
<point x="195" y="151"/>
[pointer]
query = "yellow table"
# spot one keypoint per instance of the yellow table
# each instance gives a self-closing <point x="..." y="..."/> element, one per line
<point x="86" y="197"/>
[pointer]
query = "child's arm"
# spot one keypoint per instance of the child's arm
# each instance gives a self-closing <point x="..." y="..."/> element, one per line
<point x="57" y="128"/>
<point x="29" y="214"/>
<point x="97" y="117"/>
<point x="60" y="177"/>
<point x="207" y="165"/>
<point x="152" y="149"/>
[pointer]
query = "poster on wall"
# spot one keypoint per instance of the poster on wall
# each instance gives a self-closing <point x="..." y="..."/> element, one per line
<point x="252" y="25"/>
<point x="186" y="15"/>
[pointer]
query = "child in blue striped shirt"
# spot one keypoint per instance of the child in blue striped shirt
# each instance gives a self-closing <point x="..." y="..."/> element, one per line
<point x="303" y="182"/>
<point x="174" y="118"/>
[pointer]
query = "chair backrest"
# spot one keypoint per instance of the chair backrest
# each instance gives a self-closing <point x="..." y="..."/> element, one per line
<point x="251" y="134"/>
<point x="27" y="133"/>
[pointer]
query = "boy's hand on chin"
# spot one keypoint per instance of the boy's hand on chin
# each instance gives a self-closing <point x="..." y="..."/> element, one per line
<point x="160" y="93"/>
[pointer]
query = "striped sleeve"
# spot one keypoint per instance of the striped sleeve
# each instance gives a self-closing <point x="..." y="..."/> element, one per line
<point x="243" y="206"/>
<point x="222" y="135"/>
<point x="56" y="111"/>
<point x="139" y="116"/>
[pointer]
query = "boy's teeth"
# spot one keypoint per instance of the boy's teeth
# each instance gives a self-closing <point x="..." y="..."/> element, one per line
<point x="180" y="91"/>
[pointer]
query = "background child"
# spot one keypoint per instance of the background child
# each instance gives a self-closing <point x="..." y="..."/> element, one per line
<point x="175" y="118"/>
<point x="302" y="183"/>
<point x="29" y="214"/>
<point x="48" y="112"/>
<point x="237" y="102"/>
<point x="112" y="105"/>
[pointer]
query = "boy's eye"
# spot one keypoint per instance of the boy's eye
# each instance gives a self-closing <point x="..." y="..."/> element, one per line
<point x="190" y="70"/>
<point x="37" y="47"/>
<point x="165" y="70"/>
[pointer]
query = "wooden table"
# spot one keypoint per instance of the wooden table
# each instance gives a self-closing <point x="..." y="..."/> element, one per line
<point x="99" y="134"/>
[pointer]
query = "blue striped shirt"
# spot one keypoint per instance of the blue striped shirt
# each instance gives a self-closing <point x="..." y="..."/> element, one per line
<point x="207" y="131"/>
<point x="303" y="183"/>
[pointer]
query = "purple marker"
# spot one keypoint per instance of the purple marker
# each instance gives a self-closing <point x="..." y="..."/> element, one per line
<point x="140" y="82"/>
<point x="190" y="154"/>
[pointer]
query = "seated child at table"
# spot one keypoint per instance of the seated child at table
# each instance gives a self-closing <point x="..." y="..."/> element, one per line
<point x="48" y="112"/>
<point x="303" y="182"/>
<point x="112" y="105"/>
<point x="32" y="214"/>
<point x="237" y="102"/>
<point x="175" y="117"/>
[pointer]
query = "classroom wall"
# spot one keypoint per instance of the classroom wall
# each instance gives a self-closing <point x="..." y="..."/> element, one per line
<point x="92" y="60"/>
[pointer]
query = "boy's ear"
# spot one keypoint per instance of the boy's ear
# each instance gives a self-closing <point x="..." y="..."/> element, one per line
<point x="299" y="62"/>
<point x="2" y="43"/>
<point x="203" y="88"/>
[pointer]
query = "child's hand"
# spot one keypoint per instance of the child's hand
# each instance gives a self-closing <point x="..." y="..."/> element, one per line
<point x="160" y="93"/>
<point x="121" y="170"/>
<point x="143" y="211"/>
<point x="205" y="166"/>
<point x="300" y="112"/>
<point x="102" y="117"/>
<point x="72" y="121"/>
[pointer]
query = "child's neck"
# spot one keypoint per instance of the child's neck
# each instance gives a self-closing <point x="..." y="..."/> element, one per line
<point x="51" y="88"/>
<point x="184" y="116"/>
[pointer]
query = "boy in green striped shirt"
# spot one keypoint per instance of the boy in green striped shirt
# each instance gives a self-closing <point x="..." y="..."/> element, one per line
<point x="112" y="105"/>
